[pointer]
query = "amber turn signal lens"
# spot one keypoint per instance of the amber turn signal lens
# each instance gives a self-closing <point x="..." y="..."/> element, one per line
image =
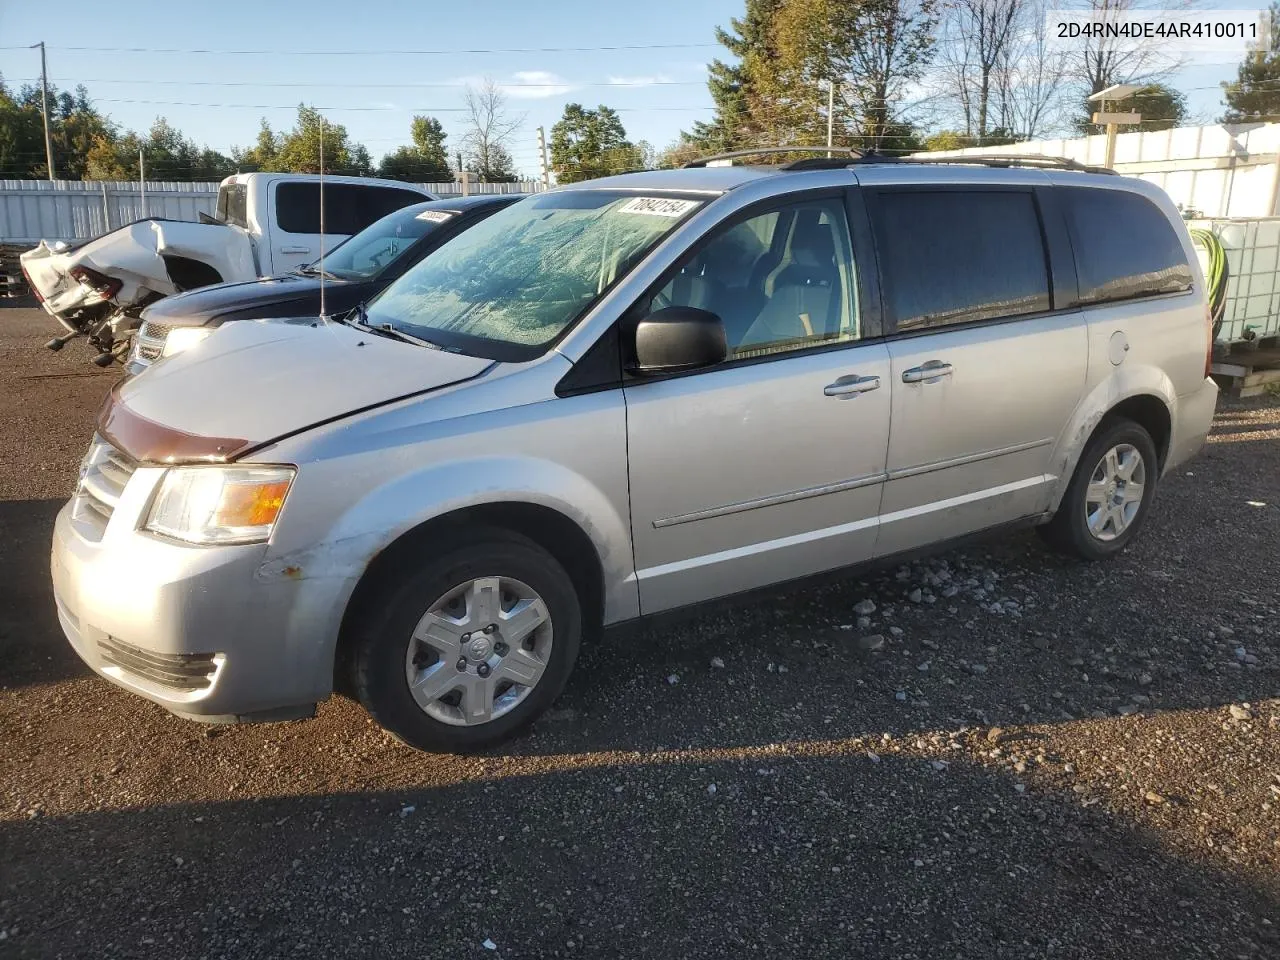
<point x="250" y="504"/>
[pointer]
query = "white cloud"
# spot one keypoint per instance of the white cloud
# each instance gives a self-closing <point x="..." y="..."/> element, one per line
<point x="535" y="85"/>
<point x="647" y="80"/>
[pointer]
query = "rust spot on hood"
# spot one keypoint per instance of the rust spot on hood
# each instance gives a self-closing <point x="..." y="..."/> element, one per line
<point x="144" y="439"/>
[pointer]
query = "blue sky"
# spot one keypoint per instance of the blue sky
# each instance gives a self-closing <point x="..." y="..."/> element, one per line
<point x="657" y="91"/>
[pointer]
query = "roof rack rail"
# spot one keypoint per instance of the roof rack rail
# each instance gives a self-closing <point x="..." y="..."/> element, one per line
<point x="1037" y="160"/>
<point x="851" y="153"/>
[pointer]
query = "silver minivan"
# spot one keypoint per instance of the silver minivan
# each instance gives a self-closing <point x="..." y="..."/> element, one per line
<point x="624" y="398"/>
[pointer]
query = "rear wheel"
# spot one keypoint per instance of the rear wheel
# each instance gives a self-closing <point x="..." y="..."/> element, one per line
<point x="474" y="645"/>
<point x="1109" y="494"/>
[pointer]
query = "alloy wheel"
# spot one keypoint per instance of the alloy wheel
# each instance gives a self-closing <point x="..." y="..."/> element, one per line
<point x="1115" y="492"/>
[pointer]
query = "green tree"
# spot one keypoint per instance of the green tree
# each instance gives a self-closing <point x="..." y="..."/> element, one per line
<point x="21" y="137"/>
<point x="427" y="160"/>
<point x="586" y="144"/>
<point x="1161" y="106"/>
<point x="956" y="140"/>
<point x="262" y="155"/>
<point x="1255" y="93"/>
<point x="874" y="50"/>
<point x="679" y="153"/>
<point x="947" y="140"/>
<point x="741" y="114"/>
<point x="496" y="165"/>
<point x="169" y="156"/>
<point x="299" y="150"/>
<point x="74" y="126"/>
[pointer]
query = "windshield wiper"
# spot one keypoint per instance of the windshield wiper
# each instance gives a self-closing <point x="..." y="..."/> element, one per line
<point x="311" y="270"/>
<point x="359" y="318"/>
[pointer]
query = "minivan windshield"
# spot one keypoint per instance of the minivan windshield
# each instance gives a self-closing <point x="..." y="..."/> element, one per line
<point x="508" y="287"/>
<point x="380" y="244"/>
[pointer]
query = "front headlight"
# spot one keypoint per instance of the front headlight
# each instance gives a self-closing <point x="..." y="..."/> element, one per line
<point x="209" y="505"/>
<point x="183" y="338"/>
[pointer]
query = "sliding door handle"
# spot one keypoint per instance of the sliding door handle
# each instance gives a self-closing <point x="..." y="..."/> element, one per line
<point x="851" y="385"/>
<point x="930" y="372"/>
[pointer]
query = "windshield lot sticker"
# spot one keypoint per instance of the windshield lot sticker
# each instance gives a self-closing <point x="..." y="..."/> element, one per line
<point x="658" y="206"/>
<point x="435" y="216"/>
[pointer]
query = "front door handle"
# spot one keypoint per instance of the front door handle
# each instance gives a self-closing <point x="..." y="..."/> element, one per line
<point x="295" y="249"/>
<point x="930" y="372"/>
<point x="850" y="386"/>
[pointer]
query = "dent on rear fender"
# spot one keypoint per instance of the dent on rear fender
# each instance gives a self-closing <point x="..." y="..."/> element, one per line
<point x="1120" y="385"/>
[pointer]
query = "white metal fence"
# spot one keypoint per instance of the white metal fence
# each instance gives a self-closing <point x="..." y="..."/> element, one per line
<point x="34" y="210"/>
<point x="1222" y="170"/>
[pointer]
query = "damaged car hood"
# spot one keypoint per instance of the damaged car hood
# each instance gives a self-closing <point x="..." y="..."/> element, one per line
<point x="253" y="382"/>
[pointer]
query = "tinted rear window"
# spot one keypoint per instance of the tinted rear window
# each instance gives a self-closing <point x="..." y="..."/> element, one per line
<point x="348" y="207"/>
<point x="955" y="256"/>
<point x="1125" y="247"/>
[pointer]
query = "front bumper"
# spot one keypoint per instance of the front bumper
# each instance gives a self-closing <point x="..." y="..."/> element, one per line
<point x="194" y="629"/>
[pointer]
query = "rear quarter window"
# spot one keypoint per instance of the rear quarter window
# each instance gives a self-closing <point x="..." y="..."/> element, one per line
<point x="957" y="256"/>
<point x="1125" y="247"/>
<point x="233" y="204"/>
<point x="348" y="207"/>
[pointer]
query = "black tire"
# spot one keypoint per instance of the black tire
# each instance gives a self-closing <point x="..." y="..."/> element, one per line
<point x="382" y="638"/>
<point x="1068" y="531"/>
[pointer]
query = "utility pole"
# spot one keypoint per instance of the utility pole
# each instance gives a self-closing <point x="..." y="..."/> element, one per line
<point x="544" y="171"/>
<point x="44" y="106"/>
<point x="142" y="178"/>
<point x="831" y="112"/>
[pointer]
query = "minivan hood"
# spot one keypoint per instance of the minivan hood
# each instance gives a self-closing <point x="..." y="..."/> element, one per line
<point x="254" y="381"/>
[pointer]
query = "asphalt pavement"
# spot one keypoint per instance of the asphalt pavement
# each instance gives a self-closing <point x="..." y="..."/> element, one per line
<point x="993" y="753"/>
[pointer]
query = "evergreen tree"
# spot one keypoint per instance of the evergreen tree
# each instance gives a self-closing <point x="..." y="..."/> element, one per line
<point x="1255" y="93"/>
<point x="733" y="86"/>
<point x="589" y="143"/>
<point x="426" y="161"/>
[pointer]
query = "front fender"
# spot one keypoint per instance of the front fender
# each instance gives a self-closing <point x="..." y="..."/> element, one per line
<point x="329" y="568"/>
<point x="1122" y="383"/>
<point x="384" y="514"/>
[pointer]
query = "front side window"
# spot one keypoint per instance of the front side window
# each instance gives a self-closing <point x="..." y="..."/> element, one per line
<point x="956" y="256"/>
<point x="779" y="281"/>
<point x="511" y="285"/>
<point x="1125" y="246"/>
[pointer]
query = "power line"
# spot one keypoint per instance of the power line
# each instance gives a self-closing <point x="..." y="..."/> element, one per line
<point x="381" y="53"/>
<point x="294" y="106"/>
<point x="455" y="84"/>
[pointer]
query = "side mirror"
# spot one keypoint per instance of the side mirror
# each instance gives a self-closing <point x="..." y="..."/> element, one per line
<point x="679" y="338"/>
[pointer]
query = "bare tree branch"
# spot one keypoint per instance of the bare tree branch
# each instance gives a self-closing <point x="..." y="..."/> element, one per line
<point x="489" y="130"/>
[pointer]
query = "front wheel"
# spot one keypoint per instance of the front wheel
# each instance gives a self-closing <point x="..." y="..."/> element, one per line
<point x="469" y="648"/>
<point x="1109" y="494"/>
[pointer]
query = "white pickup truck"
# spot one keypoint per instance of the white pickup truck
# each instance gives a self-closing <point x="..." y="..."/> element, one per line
<point x="264" y="224"/>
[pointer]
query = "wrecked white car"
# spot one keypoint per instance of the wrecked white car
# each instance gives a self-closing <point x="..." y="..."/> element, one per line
<point x="264" y="224"/>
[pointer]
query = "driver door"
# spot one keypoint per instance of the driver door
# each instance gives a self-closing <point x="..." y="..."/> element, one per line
<point x="769" y="466"/>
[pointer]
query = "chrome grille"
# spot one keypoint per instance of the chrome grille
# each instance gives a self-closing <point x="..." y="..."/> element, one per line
<point x="178" y="671"/>
<point x="148" y="342"/>
<point x="104" y="473"/>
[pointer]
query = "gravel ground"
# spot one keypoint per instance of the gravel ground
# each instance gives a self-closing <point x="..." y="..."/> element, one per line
<point x="990" y="754"/>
